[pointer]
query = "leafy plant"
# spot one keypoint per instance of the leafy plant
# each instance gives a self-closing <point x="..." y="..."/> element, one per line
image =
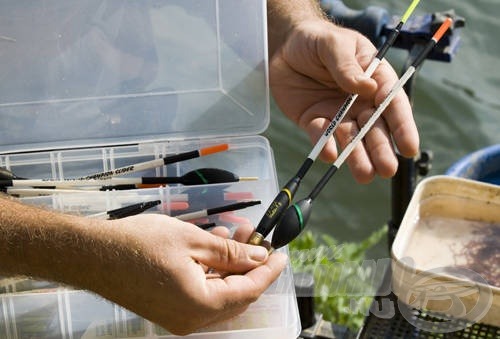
<point x="343" y="284"/>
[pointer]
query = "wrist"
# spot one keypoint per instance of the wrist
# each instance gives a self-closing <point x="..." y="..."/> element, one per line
<point x="284" y="15"/>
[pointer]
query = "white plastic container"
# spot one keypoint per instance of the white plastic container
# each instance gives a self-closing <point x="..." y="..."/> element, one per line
<point x="446" y="250"/>
<point x="88" y="86"/>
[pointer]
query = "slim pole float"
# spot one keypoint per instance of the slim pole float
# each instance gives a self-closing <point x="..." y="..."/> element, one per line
<point x="202" y="176"/>
<point x="158" y="162"/>
<point x="216" y="210"/>
<point x="127" y="211"/>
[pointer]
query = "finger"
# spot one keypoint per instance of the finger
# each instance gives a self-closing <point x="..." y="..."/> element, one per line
<point x="228" y="255"/>
<point x="238" y="290"/>
<point x="342" y="59"/>
<point x="220" y="231"/>
<point x="315" y="129"/>
<point x="402" y="126"/>
<point x="378" y="146"/>
<point x="358" y="160"/>
<point x="315" y="121"/>
<point x="243" y="233"/>
<point x="398" y="115"/>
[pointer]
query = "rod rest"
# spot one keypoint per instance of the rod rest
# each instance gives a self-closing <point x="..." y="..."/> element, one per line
<point x="376" y="24"/>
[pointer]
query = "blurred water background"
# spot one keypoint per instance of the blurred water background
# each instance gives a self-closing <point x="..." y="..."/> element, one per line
<point x="456" y="106"/>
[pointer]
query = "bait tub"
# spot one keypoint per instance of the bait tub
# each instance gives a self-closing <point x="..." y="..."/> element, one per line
<point x="446" y="253"/>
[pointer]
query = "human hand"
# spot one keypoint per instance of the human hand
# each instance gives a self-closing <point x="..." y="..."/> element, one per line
<point x="311" y="75"/>
<point x="156" y="266"/>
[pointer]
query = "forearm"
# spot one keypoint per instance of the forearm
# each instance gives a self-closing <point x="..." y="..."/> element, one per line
<point x="39" y="243"/>
<point x="282" y="15"/>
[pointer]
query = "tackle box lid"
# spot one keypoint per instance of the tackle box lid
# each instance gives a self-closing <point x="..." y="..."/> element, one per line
<point x="93" y="73"/>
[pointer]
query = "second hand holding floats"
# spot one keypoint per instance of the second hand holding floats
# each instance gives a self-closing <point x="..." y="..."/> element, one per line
<point x="285" y="196"/>
<point x="297" y="215"/>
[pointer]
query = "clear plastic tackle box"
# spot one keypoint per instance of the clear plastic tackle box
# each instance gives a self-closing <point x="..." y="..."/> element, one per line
<point x="89" y="86"/>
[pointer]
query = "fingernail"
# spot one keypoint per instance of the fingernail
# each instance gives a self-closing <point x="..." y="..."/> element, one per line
<point x="258" y="253"/>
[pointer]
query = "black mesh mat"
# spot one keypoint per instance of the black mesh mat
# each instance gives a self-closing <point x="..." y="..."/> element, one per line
<point x="399" y="327"/>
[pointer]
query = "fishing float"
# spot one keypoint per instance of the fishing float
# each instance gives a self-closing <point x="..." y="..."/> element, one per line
<point x="207" y="225"/>
<point x="126" y="211"/>
<point x="137" y="208"/>
<point x="25" y="192"/>
<point x="158" y="162"/>
<point x="296" y="216"/>
<point x="216" y="210"/>
<point x="285" y="196"/>
<point x="181" y="201"/>
<point x="5" y="174"/>
<point x="200" y="176"/>
<point x="7" y="38"/>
